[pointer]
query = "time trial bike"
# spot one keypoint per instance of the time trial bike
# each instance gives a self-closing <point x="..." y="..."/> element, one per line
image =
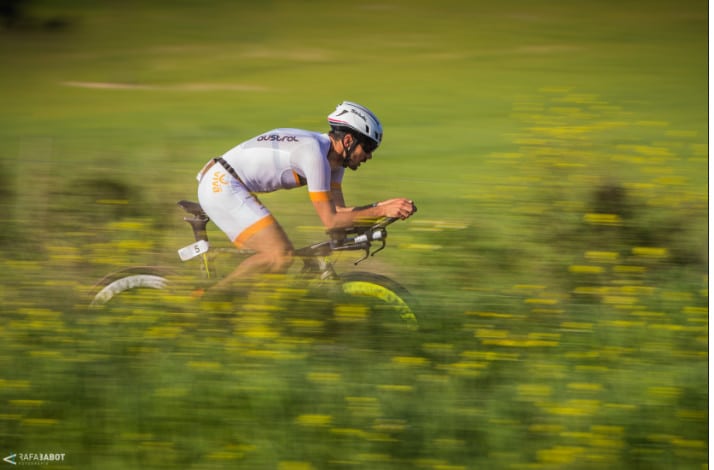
<point x="385" y="297"/>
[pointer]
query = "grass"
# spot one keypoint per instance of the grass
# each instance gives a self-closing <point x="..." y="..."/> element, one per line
<point x="557" y="154"/>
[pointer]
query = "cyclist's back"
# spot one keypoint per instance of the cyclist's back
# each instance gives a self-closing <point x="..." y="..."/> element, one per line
<point x="284" y="159"/>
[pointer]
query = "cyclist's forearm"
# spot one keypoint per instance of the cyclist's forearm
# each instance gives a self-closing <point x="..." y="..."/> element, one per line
<point x="348" y="216"/>
<point x="341" y="217"/>
<point x="398" y="207"/>
<point x="371" y="211"/>
<point x="336" y="216"/>
<point x="360" y="209"/>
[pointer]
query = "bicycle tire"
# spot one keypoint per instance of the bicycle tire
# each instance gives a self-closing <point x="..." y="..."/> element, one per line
<point x="385" y="291"/>
<point x="121" y="281"/>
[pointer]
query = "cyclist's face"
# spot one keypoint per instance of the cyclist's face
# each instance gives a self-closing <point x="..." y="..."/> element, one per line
<point x="359" y="155"/>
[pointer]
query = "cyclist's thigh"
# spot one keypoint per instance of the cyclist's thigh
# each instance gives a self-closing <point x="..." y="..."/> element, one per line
<point x="265" y="236"/>
<point x="231" y="206"/>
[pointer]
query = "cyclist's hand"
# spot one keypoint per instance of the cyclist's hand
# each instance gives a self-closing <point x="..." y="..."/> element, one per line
<point x="398" y="207"/>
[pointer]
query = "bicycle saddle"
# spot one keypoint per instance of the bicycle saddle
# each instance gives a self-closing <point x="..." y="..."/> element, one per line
<point x="192" y="208"/>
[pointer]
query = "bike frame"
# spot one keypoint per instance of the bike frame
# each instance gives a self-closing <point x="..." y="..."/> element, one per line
<point x="315" y="257"/>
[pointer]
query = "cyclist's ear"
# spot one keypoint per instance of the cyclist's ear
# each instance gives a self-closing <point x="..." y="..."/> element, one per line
<point x="348" y="141"/>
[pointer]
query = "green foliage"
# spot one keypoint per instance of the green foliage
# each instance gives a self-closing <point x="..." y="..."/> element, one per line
<point x="557" y="153"/>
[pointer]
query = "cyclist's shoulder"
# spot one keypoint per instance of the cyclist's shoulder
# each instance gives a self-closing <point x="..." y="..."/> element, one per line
<point x="302" y="143"/>
<point x="301" y="146"/>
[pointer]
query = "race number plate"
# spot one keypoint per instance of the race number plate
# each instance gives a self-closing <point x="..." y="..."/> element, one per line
<point x="194" y="249"/>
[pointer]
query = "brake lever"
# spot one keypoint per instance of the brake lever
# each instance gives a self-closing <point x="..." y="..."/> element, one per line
<point x="366" y="255"/>
<point x="384" y="245"/>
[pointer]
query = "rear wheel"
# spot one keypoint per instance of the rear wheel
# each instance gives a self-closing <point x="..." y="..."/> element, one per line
<point x="388" y="300"/>
<point x="130" y="279"/>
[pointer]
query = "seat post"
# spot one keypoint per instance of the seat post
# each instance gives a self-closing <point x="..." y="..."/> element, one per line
<point x="198" y="222"/>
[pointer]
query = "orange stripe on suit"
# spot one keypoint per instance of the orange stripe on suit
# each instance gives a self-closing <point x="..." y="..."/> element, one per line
<point x="253" y="229"/>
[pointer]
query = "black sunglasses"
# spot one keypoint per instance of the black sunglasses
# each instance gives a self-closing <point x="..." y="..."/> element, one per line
<point x="369" y="145"/>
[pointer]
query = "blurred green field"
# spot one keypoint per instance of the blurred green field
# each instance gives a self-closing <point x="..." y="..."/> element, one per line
<point x="558" y="154"/>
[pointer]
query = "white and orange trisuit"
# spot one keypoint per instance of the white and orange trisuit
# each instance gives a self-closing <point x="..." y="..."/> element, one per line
<point x="277" y="159"/>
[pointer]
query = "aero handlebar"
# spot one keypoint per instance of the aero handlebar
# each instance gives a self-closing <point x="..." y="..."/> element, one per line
<point x="361" y="238"/>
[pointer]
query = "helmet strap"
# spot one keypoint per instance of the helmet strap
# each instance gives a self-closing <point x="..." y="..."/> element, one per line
<point x="349" y="151"/>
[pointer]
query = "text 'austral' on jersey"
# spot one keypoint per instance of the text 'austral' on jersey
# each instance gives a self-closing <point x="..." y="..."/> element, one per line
<point x="277" y="138"/>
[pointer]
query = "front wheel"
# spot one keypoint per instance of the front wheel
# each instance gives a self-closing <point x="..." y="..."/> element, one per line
<point x="129" y="279"/>
<point x="388" y="299"/>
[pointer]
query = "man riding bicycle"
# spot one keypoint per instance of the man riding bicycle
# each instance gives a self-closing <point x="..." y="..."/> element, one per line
<point x="285" y="159"/>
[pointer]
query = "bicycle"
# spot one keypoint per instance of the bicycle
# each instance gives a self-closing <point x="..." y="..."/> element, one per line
<point x="385" y="295"/>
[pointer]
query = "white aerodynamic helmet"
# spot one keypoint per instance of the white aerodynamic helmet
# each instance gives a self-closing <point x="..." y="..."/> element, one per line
<point x="358" y="118"/>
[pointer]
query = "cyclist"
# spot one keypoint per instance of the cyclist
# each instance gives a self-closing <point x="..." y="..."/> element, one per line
<point x="284" y="159"/>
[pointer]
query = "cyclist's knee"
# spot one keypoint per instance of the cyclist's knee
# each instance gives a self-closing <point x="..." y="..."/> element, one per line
<point x="277" y="261"/>
<point x="281" y="261"/>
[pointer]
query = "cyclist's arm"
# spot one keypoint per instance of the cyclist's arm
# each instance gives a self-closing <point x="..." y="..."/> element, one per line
<point x="397" y="207"/>
<point x="334" y="214"/>
<point x="333" y="218"/>
<point x="339" y="199"/>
